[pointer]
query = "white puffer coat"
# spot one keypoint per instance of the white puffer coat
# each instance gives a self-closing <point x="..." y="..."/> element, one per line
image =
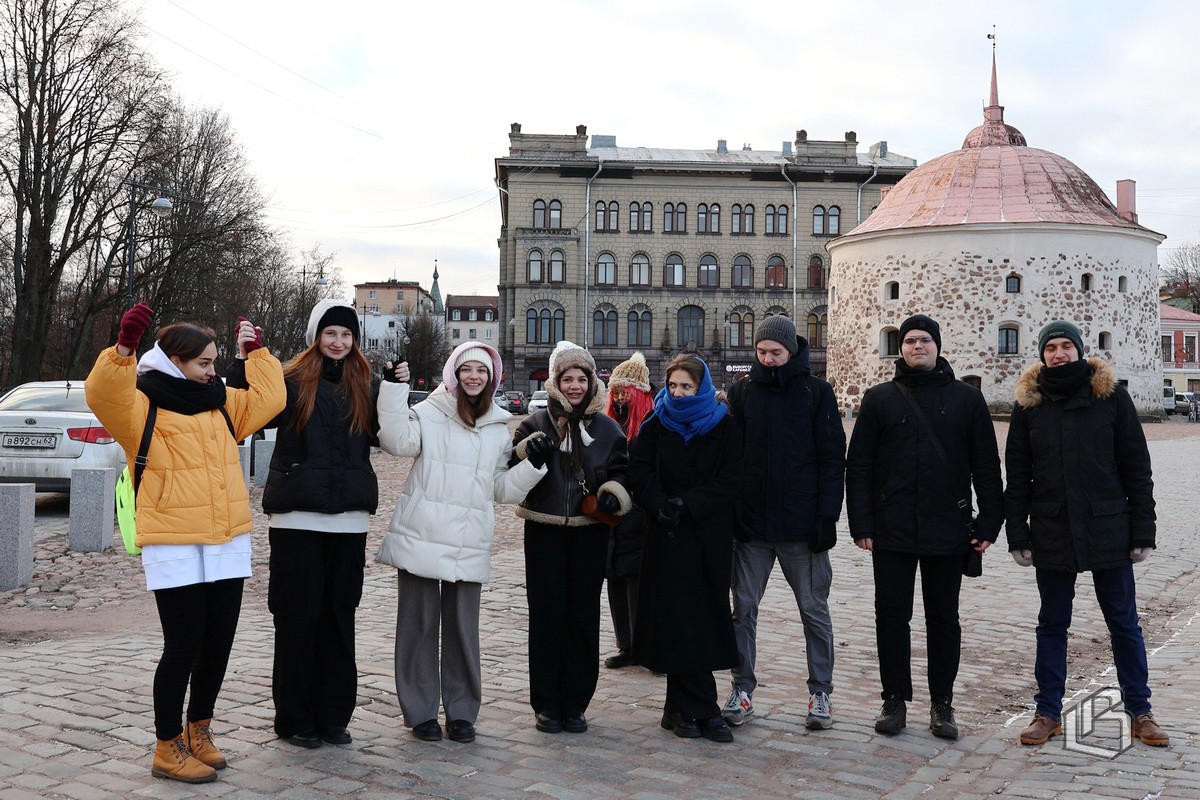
<point x="444" y="520"/>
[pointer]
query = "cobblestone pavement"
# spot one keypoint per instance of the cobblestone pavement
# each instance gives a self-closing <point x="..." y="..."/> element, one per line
<point x="78" y="649"/>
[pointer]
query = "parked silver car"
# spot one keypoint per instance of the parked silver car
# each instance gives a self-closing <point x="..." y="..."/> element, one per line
<point x="47" y="430"/>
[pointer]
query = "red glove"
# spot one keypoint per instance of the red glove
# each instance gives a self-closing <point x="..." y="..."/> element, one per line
<point x="250" y="347"/>
<point x="133" y="325"/>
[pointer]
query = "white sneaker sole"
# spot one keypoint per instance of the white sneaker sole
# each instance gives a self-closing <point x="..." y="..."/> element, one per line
<point x="818" y="723"/>
<point x="730" y="719"/>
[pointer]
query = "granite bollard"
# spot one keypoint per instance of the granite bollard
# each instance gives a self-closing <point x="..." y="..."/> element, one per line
<point x="263" y="450"/>
<point x="93" y="510"/>
<point x="244" y="457"/>
<point x="16" y="539"/>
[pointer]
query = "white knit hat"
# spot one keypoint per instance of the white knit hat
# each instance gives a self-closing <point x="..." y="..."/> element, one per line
<point x="474" y="354"/>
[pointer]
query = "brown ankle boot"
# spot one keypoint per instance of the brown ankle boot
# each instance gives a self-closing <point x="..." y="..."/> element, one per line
<point x="1040" y="730"/>
<point x="1146" y="729"/>
<point x="199" y="738"/>
<point x="173" y="759"/>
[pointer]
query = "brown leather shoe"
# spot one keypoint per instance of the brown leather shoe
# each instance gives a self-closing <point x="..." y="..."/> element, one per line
<point x="1040" y="730"/>
<point x="198" y="735"/>
<point x="1146" y="729"/>
<point x="173" y="759"/>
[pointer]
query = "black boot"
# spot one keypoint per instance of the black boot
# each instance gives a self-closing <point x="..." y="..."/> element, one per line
<point x="941" y="720"/>
<point x="892" y="717"/>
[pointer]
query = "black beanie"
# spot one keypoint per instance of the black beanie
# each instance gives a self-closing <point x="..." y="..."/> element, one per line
<point x="339" y="315"/>
<point x="920" y="322"/>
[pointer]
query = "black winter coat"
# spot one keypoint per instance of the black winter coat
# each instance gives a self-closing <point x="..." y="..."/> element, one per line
<point x="1080" y="493"/>
<point x="795" y="451"/>
<point x="323" y="468"/>
<point x="684" y="623"/>
<point x="899" y="492"/>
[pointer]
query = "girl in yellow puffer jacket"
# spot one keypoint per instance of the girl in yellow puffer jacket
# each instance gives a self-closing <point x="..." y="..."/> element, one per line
<point x="193" y="510"/>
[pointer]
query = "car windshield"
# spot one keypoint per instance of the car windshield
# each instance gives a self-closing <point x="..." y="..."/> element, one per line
<point x="46" y="398"/>
<point x="514" y="395"/>
<point x="541" y="396"/>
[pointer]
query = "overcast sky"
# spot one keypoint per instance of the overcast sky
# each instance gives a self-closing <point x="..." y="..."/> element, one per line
<point x="373" y="125"/>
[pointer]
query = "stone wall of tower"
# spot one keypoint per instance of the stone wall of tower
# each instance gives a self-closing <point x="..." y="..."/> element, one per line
<point x="959" y="276"/>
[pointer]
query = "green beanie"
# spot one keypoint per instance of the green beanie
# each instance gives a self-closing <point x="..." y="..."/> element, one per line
<point x="1059" y="329"/>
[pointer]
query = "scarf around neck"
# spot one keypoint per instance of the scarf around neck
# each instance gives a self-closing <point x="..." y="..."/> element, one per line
<point x="690" y="416"/>
<point x="1065" y="381"/>
<point x="181" y="395"/>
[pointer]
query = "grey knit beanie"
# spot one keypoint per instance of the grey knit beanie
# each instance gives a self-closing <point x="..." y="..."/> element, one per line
<point x="778" y="329"/>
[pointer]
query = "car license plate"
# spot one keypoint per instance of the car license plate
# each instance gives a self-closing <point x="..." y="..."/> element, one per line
<point x="46" y="442"/>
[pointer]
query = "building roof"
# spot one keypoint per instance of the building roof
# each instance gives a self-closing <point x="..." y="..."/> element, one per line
<point x="471" y="300"/>
<point x="994" y="178"/>
<point x="747" y="158"/>
<point x="1169" y="312"/>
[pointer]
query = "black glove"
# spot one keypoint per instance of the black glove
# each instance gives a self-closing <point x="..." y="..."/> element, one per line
<point x="538" y="451"/>
<point x="670" y="512"/>
<point x="608" y="503"/>
<point x="825" y="535"/>
<point x="389" y="373"/>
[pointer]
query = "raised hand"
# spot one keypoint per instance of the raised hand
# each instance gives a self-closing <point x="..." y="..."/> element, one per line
<point x="396" y="373"/>
<point x="249" y="337"/>
<point x="134" y="323"/>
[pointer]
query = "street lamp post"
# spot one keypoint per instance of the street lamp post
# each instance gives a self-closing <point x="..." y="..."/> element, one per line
<point x="161" y="207"/>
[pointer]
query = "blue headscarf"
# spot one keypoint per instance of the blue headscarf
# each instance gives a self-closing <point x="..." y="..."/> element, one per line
<point x="690" y="416"/>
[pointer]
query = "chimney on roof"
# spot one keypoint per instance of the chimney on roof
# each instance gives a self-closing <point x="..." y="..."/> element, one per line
<point x="1127" y="199"/>
<point x="746" y="146"/>
<point x="879" y="150"/>
<point x="722" y="146"/>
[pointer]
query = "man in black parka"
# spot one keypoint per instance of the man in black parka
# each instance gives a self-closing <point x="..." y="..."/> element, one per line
<point x="1080" y="498"/>
<point x="789" y="501"/>
<point x="909" y="504"/>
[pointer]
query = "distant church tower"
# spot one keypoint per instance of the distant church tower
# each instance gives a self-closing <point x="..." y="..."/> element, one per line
<point x="993" y="241"/>
<point x="436" y="293"/>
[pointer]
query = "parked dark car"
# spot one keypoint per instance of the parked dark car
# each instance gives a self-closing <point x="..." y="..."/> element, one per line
<point x="517" y="404"/>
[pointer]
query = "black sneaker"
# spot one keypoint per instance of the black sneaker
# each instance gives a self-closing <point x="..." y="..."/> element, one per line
<point x="892" y="717"/>
<point x="715" y="729"/>
<point x="574" y="723"/>
<point x="428" y="731"/>
<point x="622" y="658"/>
<point x="549" y="723"/>
<point x="941" y="720"/>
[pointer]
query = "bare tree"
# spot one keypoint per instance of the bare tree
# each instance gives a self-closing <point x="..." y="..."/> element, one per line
<point x="79" y="99"/>
<point x="1182" y="272"/>
<point x="426" y="350"/>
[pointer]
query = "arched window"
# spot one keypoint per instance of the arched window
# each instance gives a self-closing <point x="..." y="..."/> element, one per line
<point x="691" y="325"/>
<point x="488" y="315"/>
<point x="533" y="266"/>
<point x="770" y="220"/>
<point x="1085" y="282"/>
<point x="743" y="272"/>
<point x="555" y="214"/>
<point x="776" y="273"/>
<point x="681" y="217"/>
<point x="539" y="213"/>
<point x="1105" y="340"/>
<point x="741" y="328"/>
<point x="833" y="221"/>
<point x="889" y="342"/>
<point x="668" y="217"/>
<point x="545" y="326"/>
<point x="673" y="270"/>
<point x="558" y="333"/>
<point x="1122" y="284"/>
<point x="601" y="214"/>
<point x="818" y="323"/>
<point x="702" y="218"/>
<point x="639" y="270"/>
<point x="891" y="290"/>
<point x="747" y="219"/>
<point x="557" y="270"/>
<point x="640" y="217"/>
<point x="606" y="270"/>
<point x="1012" y="284"/>
<point x="781" y="220"/>
<point x="818" y="220"/>
<point x="816" y="273"/>
<point x="709" y="276"/>
<point x="1009" y="340"/>
<point x="735" y="218"/>
<point x="714" y="218"/>
<point x="604" y="327"/>
<point x="640" y="325"/>
<point x="531" y="326"/>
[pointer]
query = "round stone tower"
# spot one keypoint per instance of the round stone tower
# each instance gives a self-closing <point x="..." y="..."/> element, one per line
<point x="993" y="241"/>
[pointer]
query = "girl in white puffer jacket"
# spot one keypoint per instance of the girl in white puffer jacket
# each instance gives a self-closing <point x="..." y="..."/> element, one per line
<point x="440" y="537"/>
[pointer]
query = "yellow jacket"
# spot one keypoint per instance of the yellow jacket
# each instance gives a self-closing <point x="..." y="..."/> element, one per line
<point x="192" y="490"/>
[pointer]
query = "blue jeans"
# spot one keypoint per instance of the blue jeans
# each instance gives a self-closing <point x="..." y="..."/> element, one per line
<point x="1115" y="592"/>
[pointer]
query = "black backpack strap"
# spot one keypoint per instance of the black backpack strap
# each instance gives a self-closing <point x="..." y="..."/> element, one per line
<point x="228" y="422"/>
<point x="139" y="463"/>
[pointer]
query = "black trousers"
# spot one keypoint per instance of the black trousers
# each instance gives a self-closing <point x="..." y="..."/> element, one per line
<point x="622" y="602"/>
<point x="564" y="570"/>
<point x="316" y="584"/>
<point x="198" y="623"/>
<point x="895" y="582"/>
<point x="692" y="695"/>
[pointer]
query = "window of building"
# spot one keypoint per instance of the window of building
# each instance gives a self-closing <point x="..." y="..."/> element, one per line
<point x="472" y="333"/>
<point x="640" y="325"/>
<point x="473" y="315"/>
<point x="533" y="266"/>
<point x="680" y="217"/>
<point x="1009" y="343"/>
<point x="691" y="325"/>
<point x="741" y="219"/>
<point x="702" y="218"/>
<point x="639" y="270"/>
<point x="748" y="219"/>
<point x="891" y="290"/>
<point x="641" y="217"/>
<point x="833" y="221"/>
<point x="973" y="380"/>
<point x="708" y="218"/>
<point x="818" y="220"/>
<point x="604" y="327"/>
<point x="606" y="216"/>
<point x="456" y="314"/>
<point x="455" y="333"/>
<point x="488" y="315"/>
<point x="669" y="218"/>
<point x="1012" y="284"/>
<point x="372" y="344"/>
<point x="889" y="342"/>
<point x="1122" y="284"/>
<point x="776" y="273"/>
<point x="1085" y="282"/>
<point x="391" y="323"/>
<point x="539" y="213"/>
<point x="741" y="328"/>
<point x="545" y="326"/>
<point x="371" y="294"/>
<point x="735" y="218"/>
<point x="555" y="214"/>
<point x="487" y="333"/>
<point x="606" y="270"/>
<point x="399" y="295"/>
<point x="673" y="270"/>
<point x="776" y="222"/>
<point x="1105" y="340"/>
<point x="1167" y="347"/>
<point x="709" y="276"/>
<point x="818" y="324"/>
<point x="743" y="272"/>
<point x="557" y="271"/>
<point x="816" y="273"/>
<point x="1189" y="349"/>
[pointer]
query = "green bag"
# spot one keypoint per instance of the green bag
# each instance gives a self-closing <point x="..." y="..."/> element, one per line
<point x="127" y="487"/>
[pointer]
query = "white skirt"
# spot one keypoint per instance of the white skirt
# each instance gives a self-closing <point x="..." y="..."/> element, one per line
<point x="169" y="566"/>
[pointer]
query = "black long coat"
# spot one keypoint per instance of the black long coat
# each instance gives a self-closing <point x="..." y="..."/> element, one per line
<point x="683" y="621"/>
<point x="1080" y="493"/>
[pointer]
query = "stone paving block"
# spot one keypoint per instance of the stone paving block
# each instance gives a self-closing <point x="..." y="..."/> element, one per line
<point x="16" y="543"/>
<point x="18" y="794"/>
<point x="93" y="510"/>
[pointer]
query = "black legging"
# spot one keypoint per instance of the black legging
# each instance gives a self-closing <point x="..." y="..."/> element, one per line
<point x="198" y="622"/>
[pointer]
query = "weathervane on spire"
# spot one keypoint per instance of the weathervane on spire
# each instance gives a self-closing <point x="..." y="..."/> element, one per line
<point x="992" y="36"/>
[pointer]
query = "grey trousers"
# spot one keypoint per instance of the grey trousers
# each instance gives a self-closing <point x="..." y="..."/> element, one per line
<point x="810" y="575"/>
<point x="426" y="608"/>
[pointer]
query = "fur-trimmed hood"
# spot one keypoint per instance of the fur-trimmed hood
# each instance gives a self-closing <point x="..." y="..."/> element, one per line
<point x="1104" y="383"/>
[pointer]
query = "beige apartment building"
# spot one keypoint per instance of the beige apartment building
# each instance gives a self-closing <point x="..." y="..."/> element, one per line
<point x="659" y="250"/>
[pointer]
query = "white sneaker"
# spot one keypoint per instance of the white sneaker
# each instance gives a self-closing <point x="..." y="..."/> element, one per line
<point x="820" y="712"/>
<point x="737" y="707"/>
